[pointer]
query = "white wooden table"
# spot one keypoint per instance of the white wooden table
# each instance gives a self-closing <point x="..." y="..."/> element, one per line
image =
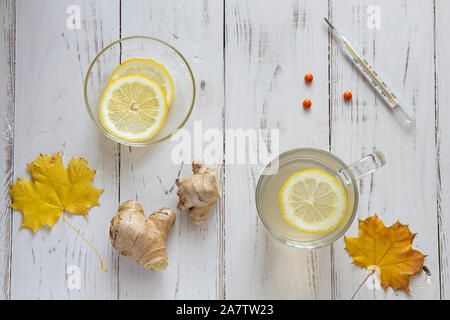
<point x="248" y="58"/>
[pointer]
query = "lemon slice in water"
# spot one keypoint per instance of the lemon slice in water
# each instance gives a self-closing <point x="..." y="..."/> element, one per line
<point x="313" y="201"/>
<point x="150" y="69"/>
<point x="133" y="108"/>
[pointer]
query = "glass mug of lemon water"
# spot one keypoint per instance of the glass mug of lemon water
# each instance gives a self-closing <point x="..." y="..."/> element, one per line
<point x="307" y="198"/>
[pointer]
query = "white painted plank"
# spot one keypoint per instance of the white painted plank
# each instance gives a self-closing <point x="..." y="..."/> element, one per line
<point x="51" y="117"/>
<point x="268" y="49"/>
<point x="7" y="47"/>
<point x="259" y="37"/>
<point x="402" y="50"/>
<point x="148" y="174"/>
<point x="443" y="140"/>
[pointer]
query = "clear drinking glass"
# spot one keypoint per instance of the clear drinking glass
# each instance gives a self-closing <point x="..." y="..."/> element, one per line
<point x="142" y="47"/>
<point x="277" y="172"/>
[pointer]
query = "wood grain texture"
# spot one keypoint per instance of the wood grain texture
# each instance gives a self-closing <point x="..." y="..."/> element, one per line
<point x="51" y="117"/>
<point x="148" y="174"/>
<point x="268" y="49"/>
<point x="7" y="73"/>
<point x="405" y="189"/>
<point x="442" y="30"/>
<point x="248" y="58"/>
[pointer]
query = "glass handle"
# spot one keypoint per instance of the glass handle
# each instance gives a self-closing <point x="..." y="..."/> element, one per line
<point x="367" y="165"/>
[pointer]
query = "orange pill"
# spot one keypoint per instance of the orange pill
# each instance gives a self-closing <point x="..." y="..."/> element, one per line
<point x="309" y="77"/>
<point x="306" y="103"/>
<point x="347" y="95"/>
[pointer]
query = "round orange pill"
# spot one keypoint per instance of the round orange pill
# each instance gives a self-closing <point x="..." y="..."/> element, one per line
<point x="309" y="77"/>
<point x="307" y="103"/>
<point x="347" y="95"/>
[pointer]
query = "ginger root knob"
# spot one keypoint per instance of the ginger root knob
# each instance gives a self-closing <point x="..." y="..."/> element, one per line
<point x="198" y="192"/>
<point x="141" y="238"/>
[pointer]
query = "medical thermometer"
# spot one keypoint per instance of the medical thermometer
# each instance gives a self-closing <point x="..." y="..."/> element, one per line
<point x="401" y="112"/>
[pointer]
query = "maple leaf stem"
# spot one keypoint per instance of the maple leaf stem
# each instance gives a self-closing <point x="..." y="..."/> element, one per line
<point x="371" y="273"/>
<point x="90" y="244"/>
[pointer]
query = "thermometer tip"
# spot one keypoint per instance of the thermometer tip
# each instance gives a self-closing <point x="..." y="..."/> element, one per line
<point x="329" y="23"/>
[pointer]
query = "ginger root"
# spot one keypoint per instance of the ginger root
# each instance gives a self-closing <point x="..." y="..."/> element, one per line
<point x="141" y="238"/>
<point x="198" y="192"/>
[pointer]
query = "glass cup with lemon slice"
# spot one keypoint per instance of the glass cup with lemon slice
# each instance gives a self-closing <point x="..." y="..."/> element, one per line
<point x="139" y="91"/>
<point x="311" y="198"/>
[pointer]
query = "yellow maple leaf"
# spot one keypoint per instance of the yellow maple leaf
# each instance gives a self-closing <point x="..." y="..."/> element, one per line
<point x="386" y="250"/>
<point x="53" y="190"/>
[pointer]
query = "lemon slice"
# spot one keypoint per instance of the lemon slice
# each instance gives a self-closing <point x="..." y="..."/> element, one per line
<point x="149" y="69"/>
<point x="133" y="108"/>
<point x="313" y="201"/>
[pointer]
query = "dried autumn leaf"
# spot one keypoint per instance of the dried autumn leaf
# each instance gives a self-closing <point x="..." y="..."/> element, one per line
<point x="54" y="189"/>
<point x="387" y="250"/>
